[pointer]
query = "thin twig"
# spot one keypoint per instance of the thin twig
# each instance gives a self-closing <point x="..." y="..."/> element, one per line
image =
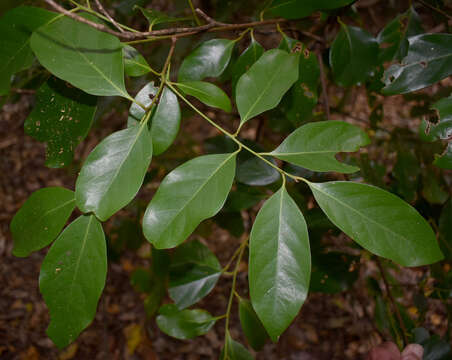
<point x="155" y="34"/>
<point x="435" y="9"/>
<point x="109" y="17"/>
<point x="208" y="18"/>
<point x="326" y="103"/>
<point x="391" y="299"/>
<point x="194" y="12"/>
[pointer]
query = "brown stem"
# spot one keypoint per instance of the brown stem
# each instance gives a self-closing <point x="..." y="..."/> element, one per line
<point x="109" y="17"/>
<point x="391" y="299"/>
<point x="326" y="103"/>
<point x="178" y="32"/>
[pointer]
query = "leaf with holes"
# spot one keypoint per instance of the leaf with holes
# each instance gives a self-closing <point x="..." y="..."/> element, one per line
<point x="314" y="145"/>
<point x="188" y="195"/>
<point x="443" y="129"/>
<point x="40" y="219"/>
<point x="379" y="221"/>
<point x="72" y="278"/>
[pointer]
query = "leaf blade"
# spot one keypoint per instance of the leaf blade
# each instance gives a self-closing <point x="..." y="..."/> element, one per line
<point x="207" y="93"/>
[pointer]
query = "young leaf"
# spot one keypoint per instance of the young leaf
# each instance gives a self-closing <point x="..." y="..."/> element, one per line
<point x="155" y="17"/>
<point x="62" y="118"/>
<point x="296" y="9"/>
<point x="114" y="171"/>
<point x="165" y="121"/>
<point x="39" y="221"/>
<point x="72" y="278"/>
<point x="185" y="324"/>
<point x="279" y="264"/>
<point x="93" y="59"/>
<point x="314" y="145"/>
<point x="428" y="61"/>
<point x="251" y="325"/>
<point x="353" y="56"/>
<point x="134" y="63"/>
<point x="209" y="59"/>
<point x="207" y="93"/>
<point x="233" y="350"/>
<point x="251" y="54"/>
<point x="193" y="274"/>
<point x="443" y="129"/>
<point x="16" y="27"/>
<point x="188" y="195"/>
<point x="379" y="221"/>
<point x="264" y="84"/>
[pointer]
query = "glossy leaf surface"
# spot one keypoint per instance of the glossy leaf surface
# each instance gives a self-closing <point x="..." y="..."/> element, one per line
<point x="279" y="263"/>
<point x="314" y="145"/>
<point x="72" y="278"/>
<point x="114" y="171"/>
<point x="134" y="63"/>
<point x="89" y="59"/>
<point x="62" y="117"/>
<point x="233" y="350"/>
<point x="194" y="273"/>
<point x="144" y="96"/>
<point x="264" y="84"/>
<point x="207" y="93"/>
<point x="40" y="219"/>
<point x="295" y="9"/>
<point x="188" y="195"/>
<point x="16" y="27"/>
<point x="379" y="221"/>
<point x="429" y="60"/>
<point x="209" y="59"/>
<point x="251" y="325"/>
<point x="353" y="55"/>
<point x="185" y="324"/>
<point x="249" y="56"/>
<point x="443" y="130"/>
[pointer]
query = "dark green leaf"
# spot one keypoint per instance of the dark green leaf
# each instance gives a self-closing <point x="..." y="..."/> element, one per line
<point x="296" y="9"/>
<point x="72" y="278"/>
<point x="434" y="347"/>
<point x="188" y="195"/>
<point x="264" y="84"/>
<point x="249" y="56"/>
<point x="280" y="260"/>
<point x="379" y="221"/>
<point x="233" y="350"/>
<point x="243" y="197"/>
<point x="314" y="145"/>
<point x="185" y="324"/>
<point x="231" y="221"/>
<point x="251" y="325"/>
<point x="209" y="59"/>
<point x="429" y="60"/>
<point x="445" y="160"/>
<point x="114" y="171"/>
<point x="81" y="55"/>
<point x="207" y="93"/>
<point x="406" y="171"/>
<point x="134" y="63"/>
<point x="155" y="17"/>
<point x="40" y="219"/>
<point x="16" y="27"/>
<point x="432" y="190"/>
<point x="194" y="273"/>
<point x="353" y="56"/>
<point x="144" y="96"/>
<point x="443" y="129"/>
<point x="62" y="118"/>
<point x="141" y="280"/>
<point x="445" y="230"/>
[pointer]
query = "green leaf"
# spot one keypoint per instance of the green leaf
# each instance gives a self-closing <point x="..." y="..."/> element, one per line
<point x="279" y="264"/>
<point x="248" y="57"/>
<point x="40" y="219"/>
<point x="445" y="230"/>
<point x="251" y="325"/>
<point x="89" y="59"/>
<point x="114" y="171"/>
<point x="62" y="118"/>
<point x="194" y="273"/>
<point x="314" y="145"/>
<point x="144" y="96"/>
<point x="230" y="221"/>
<point x="428" y="61"/>
<point x="16" y="27"/>
<point x="353" y="56"/>
<point x="233" y="350"/>
<point x="134" y="63"/>
<point x="72" y="278"/>
<point x="264" y="84"/>
<point x="406" y="172"/>
<point x="432" y="191"/>
<point x="209" y="59"/>
<point x="207" y="93"/>
<point x="445" y="160"/>
<point x="379" y="221"/>
<point x="155" y="17"/>
<point x="185" y="324"/>
<point x="443" y="129"/>
<point x="243" y="198"/>
<point x="296" y="9"/>
<point x="188" y="195"/>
